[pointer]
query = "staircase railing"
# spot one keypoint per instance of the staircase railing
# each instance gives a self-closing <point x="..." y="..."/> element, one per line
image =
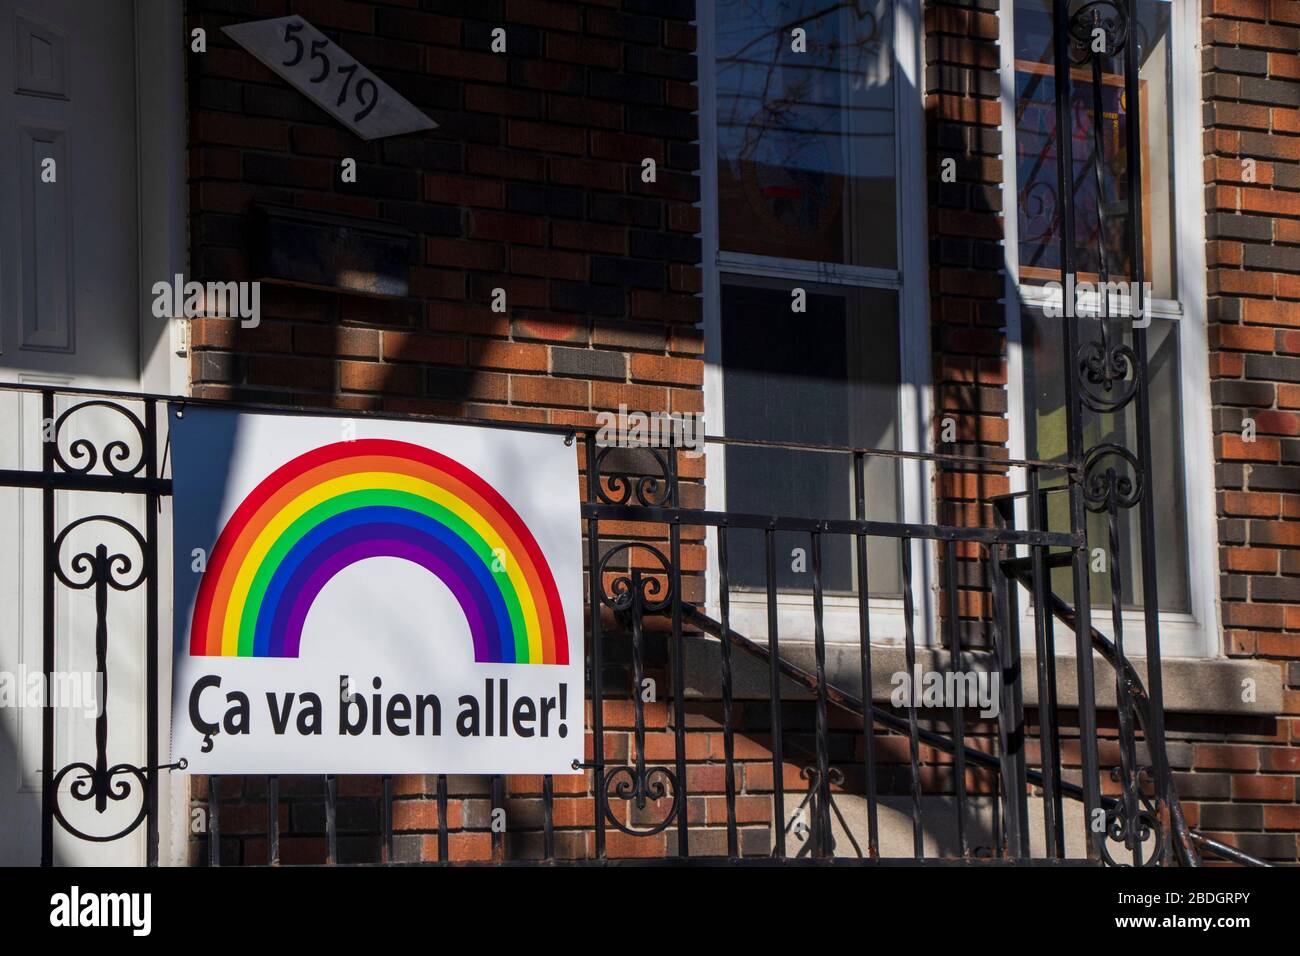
<point x="1188" y="841"/>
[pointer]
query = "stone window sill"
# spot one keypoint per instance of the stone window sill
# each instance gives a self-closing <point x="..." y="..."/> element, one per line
<point x="1192" y="686"/>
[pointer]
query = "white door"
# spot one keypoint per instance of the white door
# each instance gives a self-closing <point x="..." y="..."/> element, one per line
<point x="69" y="315"/>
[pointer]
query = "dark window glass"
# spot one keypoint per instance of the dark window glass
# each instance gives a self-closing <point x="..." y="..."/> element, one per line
<point x="1045" y="401"/>
<point x="829" y="376"/>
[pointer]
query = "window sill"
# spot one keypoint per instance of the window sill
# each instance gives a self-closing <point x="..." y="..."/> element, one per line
<point x="1208" y="686"/>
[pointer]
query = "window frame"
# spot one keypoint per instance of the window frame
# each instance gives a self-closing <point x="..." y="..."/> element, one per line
<point x="1194" y="634"/>
<point x="910" y="279"/>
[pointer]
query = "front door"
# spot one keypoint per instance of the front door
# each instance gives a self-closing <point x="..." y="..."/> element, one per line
<point x="69" y="316"/>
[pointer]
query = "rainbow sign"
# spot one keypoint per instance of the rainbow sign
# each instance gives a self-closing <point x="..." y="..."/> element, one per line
<point x="345" y="502"/>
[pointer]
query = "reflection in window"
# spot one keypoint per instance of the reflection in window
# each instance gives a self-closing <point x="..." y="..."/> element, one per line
<point x="1036" y="153"/>
<point x="806" y="139"/>
<point x="1039" y="250"/>
<point x="1045" y="401"/>
<point x="831" y="377"/>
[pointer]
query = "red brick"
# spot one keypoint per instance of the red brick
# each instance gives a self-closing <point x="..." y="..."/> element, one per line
<point x="626" y="148"/>
<point x="655" y="368"/>
<point x="549" y="263"/>
<point x="291" y="372"/>
<point x="1272" y="36"/>
<point x="1251" y="615"/>
<point x="547" y="137"/>
<point x="502" y="101"/>
<point x="589" y="237"/>
<point x="1253" y="504"/>
<point x="538" y="13"/>
<point x="1225" y="757"/>
<point x="426" y="349"/>
<point x="1241" y="9"/>
<point x="464" y="64"/>
<point x="437" y="283"/>
<point x="1270" y="313"/>
<point x="644" y="398"/>
<point x="1282" y="817"/>
<point x="1281" y="645"/>
<point x="476" y="320"/>
<point x="464" y="190"/>
<point x="1277" y="423"/>
<point x="1283" y="760"/>
<point x="510" y="356"/>
<point x="587" y="50"/>
<point x="450" y="253"/>
<point x="229" y="129"/>
<point x="539" y="390"/>
<point x="507" y="227"/>
<point x="549" y="327"/>
<point x="377" y="377"/>
<point x="1286" y="65"/>
<point x="1283" y="533"/>
<point x="505" y="163"/>
<point x="1286" y="121"/>
<point x="1241" y="338"/>
<point x="586" y="173"/>
<point x="1253" y="788"/>
<point x="1234" y="448"/>
<point x="336" y="340"/>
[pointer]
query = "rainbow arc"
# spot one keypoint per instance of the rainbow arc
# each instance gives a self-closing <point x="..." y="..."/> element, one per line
<point x="346" y="502"/>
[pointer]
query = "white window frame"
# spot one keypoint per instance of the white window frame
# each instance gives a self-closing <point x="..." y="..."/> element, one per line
<point x="748" y="610"/>
<point x="1194" y="634"/>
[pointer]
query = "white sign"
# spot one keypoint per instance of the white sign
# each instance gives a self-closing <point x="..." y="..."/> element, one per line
<point x="329" y="76"/>
<point x="365" y="596"/>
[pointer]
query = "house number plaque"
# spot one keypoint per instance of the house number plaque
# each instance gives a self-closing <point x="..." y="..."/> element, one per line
<point x="326" y="74"/>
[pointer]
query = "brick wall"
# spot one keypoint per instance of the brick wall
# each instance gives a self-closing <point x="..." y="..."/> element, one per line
<point x="967" y="275"/>
<point x="533" y="184"/>
<point x="1246" y="773"/>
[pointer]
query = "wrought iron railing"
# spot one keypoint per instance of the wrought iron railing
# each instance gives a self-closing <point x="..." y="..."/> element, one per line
<point x="641" y="620"/>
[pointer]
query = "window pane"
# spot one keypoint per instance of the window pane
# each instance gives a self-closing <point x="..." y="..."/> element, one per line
<point x="831" y="377"/>
<point x="1036" y="152"/>
<point x="806" y="139"/>
<point x="1045" y="413"/>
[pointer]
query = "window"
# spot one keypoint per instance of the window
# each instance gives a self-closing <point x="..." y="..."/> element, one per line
<point x="805" y="131"/>
<point x="807" y="160"/>
<point x="1172" y="252"/>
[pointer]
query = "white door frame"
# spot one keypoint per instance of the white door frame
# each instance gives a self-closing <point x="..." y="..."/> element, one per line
<point x="160" y="49"/>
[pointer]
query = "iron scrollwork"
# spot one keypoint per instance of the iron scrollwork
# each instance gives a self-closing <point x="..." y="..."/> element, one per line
<point x="631" y="595"/>
<point x="625" y="487"/>
<point x="1106" y="21"/>
<point x="1109" y="488"/>
<point x="1135" y="828"/>
<point x="115" y="456"/>
<point x="1108" y="374"/>
<point x="101" y="570"/>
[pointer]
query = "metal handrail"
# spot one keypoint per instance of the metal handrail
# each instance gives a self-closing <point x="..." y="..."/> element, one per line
<point x="1190" y="838"/>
